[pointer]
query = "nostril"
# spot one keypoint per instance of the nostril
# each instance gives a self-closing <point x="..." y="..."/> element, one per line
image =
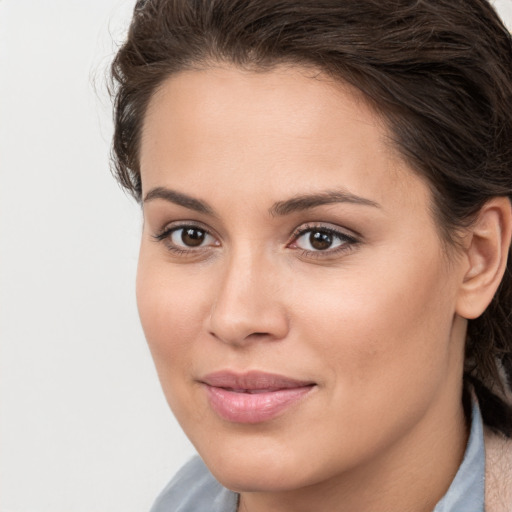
<point x="233" y="339"/>
<point x="258" y="336"/>
<point x="236" y="320"/>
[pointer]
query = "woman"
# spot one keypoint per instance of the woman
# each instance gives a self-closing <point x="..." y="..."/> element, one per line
<point x="323" y="277"/>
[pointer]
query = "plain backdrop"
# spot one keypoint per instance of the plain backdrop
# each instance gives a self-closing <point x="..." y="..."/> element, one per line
<point x="84" y="426"/>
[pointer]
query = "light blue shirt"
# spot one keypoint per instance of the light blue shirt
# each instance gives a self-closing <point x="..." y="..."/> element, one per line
<point x="194" y="489"/>
<point x="467" y="490"/>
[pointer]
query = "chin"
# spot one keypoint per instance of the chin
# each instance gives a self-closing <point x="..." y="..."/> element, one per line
<point x="249" y="477"/>
<point x="258" y="466"/>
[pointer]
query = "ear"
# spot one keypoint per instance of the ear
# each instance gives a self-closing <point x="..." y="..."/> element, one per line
<point x="486" y="251"/>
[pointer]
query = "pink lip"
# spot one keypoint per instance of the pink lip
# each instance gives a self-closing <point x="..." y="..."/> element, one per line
<point x="252" y="397"/>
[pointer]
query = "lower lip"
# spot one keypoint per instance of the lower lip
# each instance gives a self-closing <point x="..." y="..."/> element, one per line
<point x="240" y="407"/>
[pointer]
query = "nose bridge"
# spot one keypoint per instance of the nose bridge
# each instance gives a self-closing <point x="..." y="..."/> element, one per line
<point x="247" y="302"/>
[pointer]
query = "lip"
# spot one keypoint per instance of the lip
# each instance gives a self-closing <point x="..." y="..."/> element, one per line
<point x="253" y="397"/>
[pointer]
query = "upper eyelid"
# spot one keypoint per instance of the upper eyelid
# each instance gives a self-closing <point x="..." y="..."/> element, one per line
<point x="322" y="226"/>
<point x="181" y="224"/>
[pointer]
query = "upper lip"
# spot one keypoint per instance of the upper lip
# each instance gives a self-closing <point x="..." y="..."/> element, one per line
<point x="252" y="380"/>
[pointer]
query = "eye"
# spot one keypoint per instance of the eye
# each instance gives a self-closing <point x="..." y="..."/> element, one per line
<point x="317" y="239"/>
<point x="190" y="237"/>
<point x="186" y="238"/>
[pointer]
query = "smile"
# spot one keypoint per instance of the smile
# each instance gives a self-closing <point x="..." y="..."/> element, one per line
<point x="252" y="397"/>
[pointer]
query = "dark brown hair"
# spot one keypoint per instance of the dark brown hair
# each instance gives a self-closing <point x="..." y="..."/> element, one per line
<point x="438" y="71"/>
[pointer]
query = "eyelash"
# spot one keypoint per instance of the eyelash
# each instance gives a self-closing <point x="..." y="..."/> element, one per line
<point x="347" y="242"/>
<point x="166" y="234"/>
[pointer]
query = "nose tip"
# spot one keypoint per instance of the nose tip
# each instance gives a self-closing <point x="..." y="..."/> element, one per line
<point x="237" y="329"/>
<point x="247" y="308"/>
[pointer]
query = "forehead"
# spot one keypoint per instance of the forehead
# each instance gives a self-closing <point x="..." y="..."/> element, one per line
<point x="288" y="128"/>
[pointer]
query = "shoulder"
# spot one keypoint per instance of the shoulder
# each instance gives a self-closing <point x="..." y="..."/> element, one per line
<point x="194" y="489"/>
<point x="498" y="472"/>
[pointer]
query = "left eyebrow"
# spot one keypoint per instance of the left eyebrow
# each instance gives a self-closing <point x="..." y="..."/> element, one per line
<point x="305" y="202"/>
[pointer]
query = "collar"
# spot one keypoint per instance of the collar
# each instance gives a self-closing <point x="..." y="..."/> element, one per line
<point x="467" y="489"/>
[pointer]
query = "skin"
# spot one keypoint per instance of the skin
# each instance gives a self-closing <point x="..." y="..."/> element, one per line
<point x="375" y="323"/>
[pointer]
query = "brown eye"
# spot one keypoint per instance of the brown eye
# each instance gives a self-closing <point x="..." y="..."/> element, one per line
<point x="320" y="240"/>
<point x="188" y="237"/>
<point x="192" y="237"/>
<point x="327" y="240"/>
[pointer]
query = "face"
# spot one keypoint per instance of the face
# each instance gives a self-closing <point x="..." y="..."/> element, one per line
<point x="292" y="285"/>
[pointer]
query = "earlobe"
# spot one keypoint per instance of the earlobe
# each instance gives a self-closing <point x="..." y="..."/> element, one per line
<point x="486" y="256"/>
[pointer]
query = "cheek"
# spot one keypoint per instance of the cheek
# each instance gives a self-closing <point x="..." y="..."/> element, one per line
<point x="171" y="311"/>
<point x="383" y="328"/>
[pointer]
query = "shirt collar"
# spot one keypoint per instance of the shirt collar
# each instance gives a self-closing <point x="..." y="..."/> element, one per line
<point x="467" y="489"/>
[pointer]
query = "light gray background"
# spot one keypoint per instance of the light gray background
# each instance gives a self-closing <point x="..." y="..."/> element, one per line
<point x="84" y="426"/>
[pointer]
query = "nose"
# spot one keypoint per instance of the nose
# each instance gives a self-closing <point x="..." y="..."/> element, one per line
<point x="247" y="304"/>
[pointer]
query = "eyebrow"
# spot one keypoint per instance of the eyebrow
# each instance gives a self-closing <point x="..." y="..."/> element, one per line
<point x="281" y="208"/>
<point x="178" y="198"/>
<point x="307" y="201"/>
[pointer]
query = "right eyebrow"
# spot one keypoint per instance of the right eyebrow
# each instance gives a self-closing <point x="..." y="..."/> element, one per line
<point x="178" y="198"/>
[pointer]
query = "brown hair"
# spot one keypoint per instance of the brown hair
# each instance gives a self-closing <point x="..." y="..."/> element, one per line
<point x="439" y="72"/>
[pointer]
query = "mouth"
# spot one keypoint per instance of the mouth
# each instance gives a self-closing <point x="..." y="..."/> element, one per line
<point x="253" y="397"/>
